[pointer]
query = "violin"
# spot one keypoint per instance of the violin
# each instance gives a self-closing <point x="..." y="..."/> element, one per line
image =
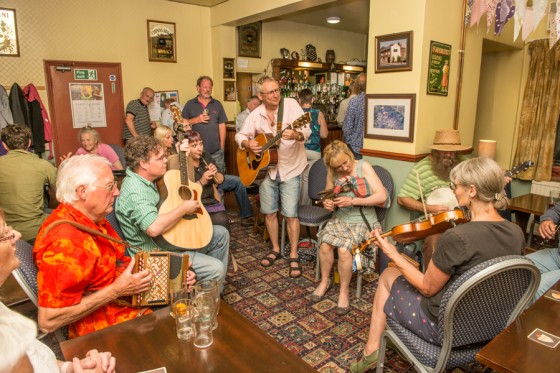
<point x="420" y="229"/>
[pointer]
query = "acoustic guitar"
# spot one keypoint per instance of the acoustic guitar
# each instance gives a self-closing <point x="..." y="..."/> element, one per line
<point x="251" y="164"/>
<point x="192" y="231"/>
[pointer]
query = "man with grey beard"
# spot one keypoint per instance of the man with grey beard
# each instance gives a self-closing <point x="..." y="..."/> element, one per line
<point x="431" y="174"/>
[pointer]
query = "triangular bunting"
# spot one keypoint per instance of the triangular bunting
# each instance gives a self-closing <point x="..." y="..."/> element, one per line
<point x="504" y="11"/>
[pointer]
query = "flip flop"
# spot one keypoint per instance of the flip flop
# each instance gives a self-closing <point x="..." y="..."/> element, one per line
<point x="269" y="259"/>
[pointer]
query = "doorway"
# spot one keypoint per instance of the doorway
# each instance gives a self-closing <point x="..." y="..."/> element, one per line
<point x="84" y="93"/>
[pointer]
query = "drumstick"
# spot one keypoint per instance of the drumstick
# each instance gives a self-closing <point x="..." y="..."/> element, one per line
<point x="206" y="164"/>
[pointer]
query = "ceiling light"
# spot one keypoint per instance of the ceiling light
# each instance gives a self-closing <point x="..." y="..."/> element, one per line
<point x="333" y="19"/>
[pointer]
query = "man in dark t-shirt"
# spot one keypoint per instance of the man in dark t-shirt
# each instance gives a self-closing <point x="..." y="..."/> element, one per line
<point x="137" y="118"/>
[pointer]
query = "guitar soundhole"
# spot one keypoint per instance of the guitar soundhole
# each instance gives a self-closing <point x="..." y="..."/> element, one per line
<point x="185" y="193"/>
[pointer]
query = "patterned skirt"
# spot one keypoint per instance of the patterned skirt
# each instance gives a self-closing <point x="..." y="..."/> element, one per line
<point x="341" y="234"/>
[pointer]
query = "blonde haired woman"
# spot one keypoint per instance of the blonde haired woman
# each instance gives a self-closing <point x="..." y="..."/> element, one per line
<point x="348" y="225"/>
<point x="164" y="135"/>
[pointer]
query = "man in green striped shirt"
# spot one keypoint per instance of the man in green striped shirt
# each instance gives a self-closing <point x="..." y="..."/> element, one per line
<point x="430" y="174"/>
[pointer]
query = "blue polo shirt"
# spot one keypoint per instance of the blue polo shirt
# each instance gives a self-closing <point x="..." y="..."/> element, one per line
<point x="208" y="131"/>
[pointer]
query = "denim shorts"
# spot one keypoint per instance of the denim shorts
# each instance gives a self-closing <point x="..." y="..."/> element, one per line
<point x="289" y="193"/>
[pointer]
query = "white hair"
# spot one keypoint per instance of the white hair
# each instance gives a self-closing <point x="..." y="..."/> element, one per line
<point x="75" y="171"/>
<point x="16" y="336"/>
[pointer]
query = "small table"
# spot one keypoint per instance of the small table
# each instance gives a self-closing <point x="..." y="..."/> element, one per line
<point x="525" y="205"/>
<point x="512" y="351"/>
<point x="150" y="342"/>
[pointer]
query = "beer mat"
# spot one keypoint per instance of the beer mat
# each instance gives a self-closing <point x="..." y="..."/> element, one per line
<point x="157" y="370"/>
<point x="553" y="294"/>
<point x="544" y="338"/>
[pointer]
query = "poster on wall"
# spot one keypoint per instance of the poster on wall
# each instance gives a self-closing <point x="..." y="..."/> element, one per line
<point x="87" y="101"/>
<point x="439" y="65"/>
<point x="9" y="43"/>
<point x="157" y="106"/>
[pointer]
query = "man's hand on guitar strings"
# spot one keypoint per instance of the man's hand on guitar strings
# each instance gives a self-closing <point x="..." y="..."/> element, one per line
<point x="254" y="146"/>
<point x="190" y="206"/>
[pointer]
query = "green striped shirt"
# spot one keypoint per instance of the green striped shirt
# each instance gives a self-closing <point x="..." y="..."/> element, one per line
<point x="428" y="180"/>
<point x="136" y="210"/>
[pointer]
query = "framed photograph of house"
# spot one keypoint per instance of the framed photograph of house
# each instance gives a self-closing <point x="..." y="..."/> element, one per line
<point x="390" y="117"/>
<point x="249" y="40"/>
<point x="393" y="52"/>
<point x="438" y="68"/>
<point x="162" y="42"/>
<point x="9" y="42"/>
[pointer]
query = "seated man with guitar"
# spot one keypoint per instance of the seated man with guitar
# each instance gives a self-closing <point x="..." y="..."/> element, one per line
<point x="176" y="221"/>
<point x="284" y="154"/>
<point x="431" y="175"/>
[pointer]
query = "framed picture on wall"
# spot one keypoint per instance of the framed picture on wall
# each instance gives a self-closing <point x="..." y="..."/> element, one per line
<point x="438" y="68"/>
<point x="230" y="92"/>
<point x="162" y="41"/>
<point x="390" y="117"/>
<point x="157" y="106"/>
<point x="249" y="40"/>
<point x="9" y="42"/>
<point x="393" y="52"/>
<point x="229" y="68"/>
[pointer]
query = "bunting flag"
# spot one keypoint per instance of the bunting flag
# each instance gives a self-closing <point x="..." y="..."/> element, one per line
<point x="533" y="15"/>
<point x="468" y="12"/>
<point x="478" y="9"/>
<point x="490" y="13"/>
<point x="518" y="17"/>
<point x="504" y="11"/>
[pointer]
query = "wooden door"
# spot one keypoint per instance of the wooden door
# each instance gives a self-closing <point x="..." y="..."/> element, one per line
<point x="244" y="88"/>
<point x="64" y="80"/>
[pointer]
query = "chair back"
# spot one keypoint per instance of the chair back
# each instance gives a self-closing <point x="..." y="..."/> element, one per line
<point x="112" y="219"/>
<point x="387" y="181"/>
<point x="120" y="152"/>
<point x="317" y="179"/>
<point x="26" y="274"/>
<point x="484" y="300"/>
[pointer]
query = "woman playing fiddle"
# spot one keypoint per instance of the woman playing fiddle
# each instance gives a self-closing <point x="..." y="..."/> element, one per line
<point x="347" y="226"/>
<point x="478" y="184"/>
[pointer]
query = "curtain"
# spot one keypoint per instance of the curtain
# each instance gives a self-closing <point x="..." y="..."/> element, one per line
<point x="539" y="111"/>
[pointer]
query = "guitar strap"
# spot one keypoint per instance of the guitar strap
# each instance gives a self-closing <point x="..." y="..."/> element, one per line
<point x="280" y="116"/>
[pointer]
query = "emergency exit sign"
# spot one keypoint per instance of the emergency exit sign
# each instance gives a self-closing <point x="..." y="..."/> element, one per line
<point x="85" y="74"/>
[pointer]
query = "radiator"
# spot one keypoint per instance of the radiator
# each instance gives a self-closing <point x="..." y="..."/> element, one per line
<point x="543" y="188"/>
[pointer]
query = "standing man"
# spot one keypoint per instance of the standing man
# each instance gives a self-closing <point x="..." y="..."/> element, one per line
<point x="206" y="116"/>
<point x="137" y="119"/>
<point x="343" y="107"/>
<point x="432" y="173"/>
<point x="140" y="220"/>
<point x="283" y="179"/>
<point x="252" y="104"/>
<point x="23" y="176"/>
<point x="353" y="128"/>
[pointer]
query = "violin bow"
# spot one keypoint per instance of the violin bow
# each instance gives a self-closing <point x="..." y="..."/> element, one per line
<point x="421" y="194"/>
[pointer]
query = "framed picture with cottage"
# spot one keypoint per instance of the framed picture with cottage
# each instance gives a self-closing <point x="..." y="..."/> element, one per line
<point x="393" y="52"/>
<point x="390" y="117"/>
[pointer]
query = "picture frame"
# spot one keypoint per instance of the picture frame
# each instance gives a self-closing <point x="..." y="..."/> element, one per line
<point x="249" y="39"/>
<point x="162" y="41"/>
<point x="229" y="68"/>
<point x="393" y="52"/>
<point x="230" y="91"/>
<point x="157" y="106"/>
<point x="439" y="67"/>
<point x="390" y="117"/>
<point x="9" y="41"/>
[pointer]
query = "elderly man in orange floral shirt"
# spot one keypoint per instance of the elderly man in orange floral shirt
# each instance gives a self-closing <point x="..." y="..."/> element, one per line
<point x="80" y="274"/>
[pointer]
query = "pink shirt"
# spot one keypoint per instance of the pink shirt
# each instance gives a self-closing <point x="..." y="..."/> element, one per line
<point x="292" y="158"/>
<point x="103" y="150"/>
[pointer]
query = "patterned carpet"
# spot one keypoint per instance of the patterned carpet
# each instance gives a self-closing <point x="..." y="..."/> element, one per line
<point x="280" y="305"/>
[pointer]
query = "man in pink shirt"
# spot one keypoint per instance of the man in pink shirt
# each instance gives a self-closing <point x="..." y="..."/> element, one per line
<point x="284" y="178"/>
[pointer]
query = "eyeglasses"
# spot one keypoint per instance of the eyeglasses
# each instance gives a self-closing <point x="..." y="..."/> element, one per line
<point x="110" y="187"/>
<point x="160" y="159"/>
<point x="452" y="185"/>
<point x="9" y="234"/>
<point x="277" y="90"/>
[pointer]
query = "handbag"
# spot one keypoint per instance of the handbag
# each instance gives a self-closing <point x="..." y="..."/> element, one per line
<point x="169" y="270"/>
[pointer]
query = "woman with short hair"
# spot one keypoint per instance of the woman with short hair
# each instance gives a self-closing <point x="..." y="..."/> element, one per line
<point x="91" y="144"/>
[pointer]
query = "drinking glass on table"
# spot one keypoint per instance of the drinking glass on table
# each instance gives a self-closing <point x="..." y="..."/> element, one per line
<point x="184" y="318"/>
<point x="204" y="315"/>
<point x="211" y="288"/>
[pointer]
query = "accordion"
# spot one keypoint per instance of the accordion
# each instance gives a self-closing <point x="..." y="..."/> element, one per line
<point x="169" y="271"/>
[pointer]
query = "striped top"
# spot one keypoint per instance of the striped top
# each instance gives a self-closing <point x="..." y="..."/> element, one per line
<point x="136" y="210"/>
<point x="428" y="180"/>
<point x="141" y="119"/>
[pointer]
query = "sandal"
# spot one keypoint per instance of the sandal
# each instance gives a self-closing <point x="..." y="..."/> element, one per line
<point x="295" y="269"/>
<point x="269" y="258"/>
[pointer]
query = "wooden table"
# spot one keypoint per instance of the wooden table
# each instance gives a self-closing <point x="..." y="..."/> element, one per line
<point x="512" y="351"/>
<point x="525" y="205"/>
<point x="151" y="342"/>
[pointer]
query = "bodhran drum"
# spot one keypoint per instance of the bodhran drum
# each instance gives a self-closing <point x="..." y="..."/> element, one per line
<point x="442" y="196"/>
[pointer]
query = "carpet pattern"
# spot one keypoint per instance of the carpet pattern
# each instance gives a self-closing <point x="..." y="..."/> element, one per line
<point x="281" y="306"/>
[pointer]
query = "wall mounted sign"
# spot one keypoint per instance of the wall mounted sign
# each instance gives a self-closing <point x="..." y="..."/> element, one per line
<point x="161" y="41"/>
<point x="249" y="40"/>
<point x="438" y="68"/>
<point x="9" y="42"/>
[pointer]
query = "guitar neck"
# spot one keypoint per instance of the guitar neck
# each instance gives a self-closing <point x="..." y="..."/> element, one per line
<point x="186" y="166"/>
<point x="270" y="143"/>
